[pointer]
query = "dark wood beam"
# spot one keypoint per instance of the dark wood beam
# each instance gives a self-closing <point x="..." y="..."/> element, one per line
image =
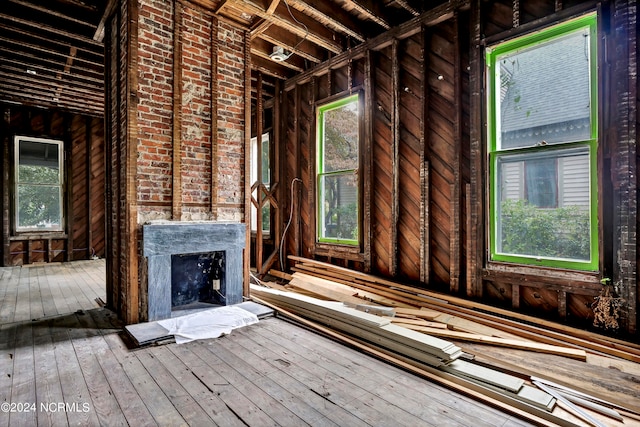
<point x="329" y="14"/>
<point x="409" y="28"/>
<point x="302" y="25"/>
<point x="48" y="39"/>
<point x="47" y="88"/>
<point x="38" y="48"/>
<point x="290" y="42"/>
<point x="12" y="56"/>
<point x="11" y="63"/>
<point x="53" y="30"/>
<point x="372" y="10"/>
<point x="49" y="11"/>
<point x="271" y="68"/>
<point x="406" y="6"/>
<point x="262" y="49"/>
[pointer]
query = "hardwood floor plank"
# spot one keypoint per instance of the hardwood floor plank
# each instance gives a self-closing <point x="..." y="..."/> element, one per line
<point x="154" y="398"/>
<point x="209" y="372"/>
<point x="48" y="387"/>
<point x="206" y="398"/>
<point x="74" y="388"/>
<point x="55" y="277"/>
<point x="279" y="393"/>
<point x="23" y="389"/>
<point x="261" y="352"/>
<point x="7" y="361"/>
<point x="129" y="401"/>
<point x="46" y="296"/>
<point x="238" y="372"/>
<point x="407" y="388"/>
<point x="184" y="403"/>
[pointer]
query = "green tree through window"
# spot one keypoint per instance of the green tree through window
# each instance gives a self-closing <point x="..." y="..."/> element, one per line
<point x="338" y="162"/>
<point x="38" y="184"/>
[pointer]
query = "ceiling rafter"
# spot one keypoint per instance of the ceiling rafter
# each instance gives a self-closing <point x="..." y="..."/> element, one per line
<point x="290" y="42"/>
<point x="48" y="11"/>
<point x="50" y="29"/>
<point x="372" y="10"/>
<point x="328" y="14"/>
<point x="302" y="25"/>
<point x="33" y="47"/>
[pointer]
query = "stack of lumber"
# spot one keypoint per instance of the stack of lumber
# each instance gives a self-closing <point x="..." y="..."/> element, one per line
<point x="427" y="349"/>
<point x="411" y="327"/>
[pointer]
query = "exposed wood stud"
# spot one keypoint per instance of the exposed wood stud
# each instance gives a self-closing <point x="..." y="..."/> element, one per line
<point x="476" y="249"/>
<point x="176" y="199"/>
<point x="68" y="153"/>
<point x="455" y="247"/>
<point x="130" y="165"/>
<point x="311" y="167"/>
<point x="247" y="161"/>
<point x="515" y="296"/>
<point x="89" y="187"/>
<point x="214" y="118"/>
<point x="562" y="304"/>
<point x="367" y="160"/>
<point x="297" y="240"/>
<point x="558" y="5"/>
<point x="425" y="236"/>
<point x="258" y="184"/>
<point x="395" y="161"/>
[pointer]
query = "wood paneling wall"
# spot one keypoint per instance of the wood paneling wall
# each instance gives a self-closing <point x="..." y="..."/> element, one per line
<point x="424" y="214"/>
<point x="84" y="234"/>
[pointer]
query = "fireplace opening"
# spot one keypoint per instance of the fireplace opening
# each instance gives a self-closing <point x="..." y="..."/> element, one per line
<point x="197" y="278"/>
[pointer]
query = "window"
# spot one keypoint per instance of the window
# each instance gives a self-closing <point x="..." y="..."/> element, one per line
<point x="38" y="184"/>
<point x="542" y="141"/>
<point x="260" y="187"/>
<point x="338" y="162"/>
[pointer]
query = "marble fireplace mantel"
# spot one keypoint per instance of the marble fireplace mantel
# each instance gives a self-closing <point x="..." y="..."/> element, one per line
<point x="163" y="239"/>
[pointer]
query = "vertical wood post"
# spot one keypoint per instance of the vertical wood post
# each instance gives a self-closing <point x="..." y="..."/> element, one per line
<point x="259" y="184"/>
<point x="88" y="164"/>
<point x="247" y="161"/>
<point x="476" y="235"/>
<point x="367" y="161"/>
<point x="425" y="235"/>
<point x="214" y="117"/>
<point x="455" y="233"/>
<point x="131" y="210"/>
<point x="176" y="200"/>
<point x="395" y="161"/>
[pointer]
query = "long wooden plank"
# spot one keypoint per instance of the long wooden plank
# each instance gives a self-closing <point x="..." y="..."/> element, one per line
<point x="488" y="397"/>
<point x="556" y="331"/>
<point x="502" y="342"/>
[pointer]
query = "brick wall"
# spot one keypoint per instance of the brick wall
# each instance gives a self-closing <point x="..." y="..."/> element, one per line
<point x="207" y="157"/>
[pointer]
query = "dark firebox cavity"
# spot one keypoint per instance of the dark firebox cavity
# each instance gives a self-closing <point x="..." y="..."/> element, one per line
<point x="197" y="278"/>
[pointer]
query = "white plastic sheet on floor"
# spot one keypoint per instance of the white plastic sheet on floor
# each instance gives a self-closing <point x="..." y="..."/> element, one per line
<point x="208" y="323"/>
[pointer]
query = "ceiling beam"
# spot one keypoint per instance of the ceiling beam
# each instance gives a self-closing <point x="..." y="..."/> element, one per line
<point x="263" y="49"/>
<point x="301" y="25"/>
<point x="329" y="14"/>
<point x="372" y="10"/>
<point x="36" y="48"/>
<point x="406" y="6"/>
<point x="307" y="50"/>
<point x="98" y="52"/>
<point x="53" y="79"/>
<point x="48" y="11"/>
<point x="51" y="71"/>
<point x="50" y="29"/>
<point x="271" y="68"/>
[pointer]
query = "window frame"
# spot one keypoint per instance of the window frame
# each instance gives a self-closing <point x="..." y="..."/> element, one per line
<point x="321" y="108"/>
<point x="492" y="53"/>
<point x="18" y="139"/>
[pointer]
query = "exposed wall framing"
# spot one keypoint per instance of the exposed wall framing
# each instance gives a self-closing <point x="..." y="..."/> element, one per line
<point x="424" y="120"/>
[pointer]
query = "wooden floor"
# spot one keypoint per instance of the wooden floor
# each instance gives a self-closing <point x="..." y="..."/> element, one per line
<point x="63" y="361"/>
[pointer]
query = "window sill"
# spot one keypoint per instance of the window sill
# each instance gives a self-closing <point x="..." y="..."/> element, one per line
<point x="38" y="235"/>
<point x="336" y="250"/>
<point x="583" y="282"/>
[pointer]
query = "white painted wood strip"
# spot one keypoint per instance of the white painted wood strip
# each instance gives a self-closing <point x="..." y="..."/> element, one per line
<point x="489" y="376"/>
